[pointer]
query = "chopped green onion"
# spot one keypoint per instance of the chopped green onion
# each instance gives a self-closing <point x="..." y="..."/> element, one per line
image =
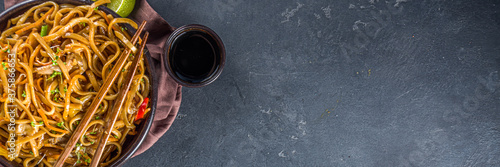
<point x="41" y="122"/>
<point x="115" y="136"/>
<point x="87" y="160"/>
<point x="97" y="117"/>
<point x="24" y="94"/>
<point x="95" y="8"/>
<point x="92" y="133"/>
<point x="5" y="68"/>
<point x="44" y="30"/>
<point x="92" y="142"/>
<point x="33" y="124"/>
<point x="56" y="90"/>
<point x="60" y="124"/>
<point x="31" y="152"/>
<point x="54" y="74"/>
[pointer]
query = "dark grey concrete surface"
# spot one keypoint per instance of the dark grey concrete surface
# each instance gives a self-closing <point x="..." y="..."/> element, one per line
<point x="341" y="83"/>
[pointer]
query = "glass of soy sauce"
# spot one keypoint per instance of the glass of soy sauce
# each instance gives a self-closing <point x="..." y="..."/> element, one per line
<point x="194" y="56"/>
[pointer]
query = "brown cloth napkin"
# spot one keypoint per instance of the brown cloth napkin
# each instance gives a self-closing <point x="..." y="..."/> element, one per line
<point x="169" y="92"/>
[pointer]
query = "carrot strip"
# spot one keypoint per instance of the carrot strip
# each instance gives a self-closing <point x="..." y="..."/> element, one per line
<point x="46" y="122"/>
<point x="36" y="24"/>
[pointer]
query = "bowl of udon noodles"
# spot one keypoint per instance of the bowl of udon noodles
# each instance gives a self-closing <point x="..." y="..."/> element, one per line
<point x="44" y="96"/>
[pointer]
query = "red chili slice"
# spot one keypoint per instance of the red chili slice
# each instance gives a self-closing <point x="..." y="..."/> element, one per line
<point x="142" y="109"/>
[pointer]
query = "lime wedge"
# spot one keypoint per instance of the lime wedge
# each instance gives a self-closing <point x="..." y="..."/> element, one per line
<point x="122" y="7"/>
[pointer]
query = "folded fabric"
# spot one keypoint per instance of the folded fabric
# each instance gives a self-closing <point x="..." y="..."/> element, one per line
<point x="169" y="92"/>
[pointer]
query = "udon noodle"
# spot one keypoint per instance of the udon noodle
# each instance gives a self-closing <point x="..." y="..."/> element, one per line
<point x="54" y="59"/>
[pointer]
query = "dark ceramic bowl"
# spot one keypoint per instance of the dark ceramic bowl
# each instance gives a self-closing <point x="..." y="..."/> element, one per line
<point x="132" y="143"/>
<point x="213" y="42"/>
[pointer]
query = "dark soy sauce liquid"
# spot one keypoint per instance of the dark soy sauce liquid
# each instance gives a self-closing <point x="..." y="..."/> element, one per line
<point x="194" y="57"/>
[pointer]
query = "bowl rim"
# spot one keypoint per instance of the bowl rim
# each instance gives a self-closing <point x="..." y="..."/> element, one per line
<point x="145" y="126"/>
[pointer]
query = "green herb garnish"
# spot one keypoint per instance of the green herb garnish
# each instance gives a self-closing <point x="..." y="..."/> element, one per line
<point x="56" y="90"/>
<point x="24" y="94"/>
<point x="54" y="74"/>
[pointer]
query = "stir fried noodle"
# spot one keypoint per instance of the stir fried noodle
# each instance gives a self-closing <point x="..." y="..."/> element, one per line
<point x="54" y="59"/>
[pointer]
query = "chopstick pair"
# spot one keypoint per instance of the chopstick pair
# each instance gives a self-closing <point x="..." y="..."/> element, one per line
<point x="100" y="96"/>
<point x="110" y="122"/>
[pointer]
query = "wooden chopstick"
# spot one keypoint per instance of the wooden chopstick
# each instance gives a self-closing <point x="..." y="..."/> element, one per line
<point x="97" y="100"/>
<point x="111" y="119"/>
